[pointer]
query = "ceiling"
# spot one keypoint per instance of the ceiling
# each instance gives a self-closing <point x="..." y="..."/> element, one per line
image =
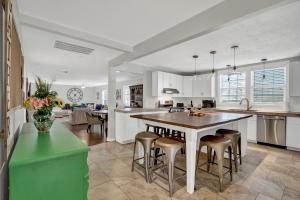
<point x="127" y="22"/>
<point x="42" y="59"/>
<point x="274" y="34"/>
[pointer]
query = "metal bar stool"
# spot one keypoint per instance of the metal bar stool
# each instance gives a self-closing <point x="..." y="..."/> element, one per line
<point x="147" y="140"/>
<point x="219" y="145"/>
<point x="235" y="137"/>
<point x="170" y="148"/>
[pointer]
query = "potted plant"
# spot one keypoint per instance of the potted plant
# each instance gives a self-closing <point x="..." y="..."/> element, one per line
<point x="42" y="103"/>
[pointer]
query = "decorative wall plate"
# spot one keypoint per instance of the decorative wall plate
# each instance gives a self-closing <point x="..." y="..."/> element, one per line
<point x="74" y="95"/>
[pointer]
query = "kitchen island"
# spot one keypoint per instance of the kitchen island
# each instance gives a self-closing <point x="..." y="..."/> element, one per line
<point x="195" y="127"/>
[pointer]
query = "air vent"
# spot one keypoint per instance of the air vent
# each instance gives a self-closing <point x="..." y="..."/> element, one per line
<point x="72" y="47"/>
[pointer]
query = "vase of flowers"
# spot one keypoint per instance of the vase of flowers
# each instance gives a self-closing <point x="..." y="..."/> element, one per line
<point x="42" y="103"/>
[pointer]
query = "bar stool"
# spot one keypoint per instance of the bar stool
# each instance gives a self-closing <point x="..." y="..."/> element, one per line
<point x="170" y="148"/>
<point x="219" y="145"/>
<point x="147" y="139"/>
<point x="235" y="137"/>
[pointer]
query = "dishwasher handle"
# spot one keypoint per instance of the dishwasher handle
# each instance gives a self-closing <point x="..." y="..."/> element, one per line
<point x="271" y="117"/>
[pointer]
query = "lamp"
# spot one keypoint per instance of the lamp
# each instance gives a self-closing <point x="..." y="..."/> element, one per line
<point x="234" y="55"/>
<point x="264" y="60"/>
<point x="195" y="58"/>
<point x="213" y="61"/>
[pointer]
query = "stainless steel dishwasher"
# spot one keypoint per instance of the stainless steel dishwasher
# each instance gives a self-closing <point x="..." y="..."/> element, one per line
<point x="271" y="129"/>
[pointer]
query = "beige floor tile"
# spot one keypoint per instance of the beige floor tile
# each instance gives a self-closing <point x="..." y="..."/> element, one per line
<point x="263" y="186"/>
<point x="266" y="173"/>
<point x="294" y="183"/>
<point x="140" y="190"/>
<point x="263" y="197"/>
<point x="107" y="191"/>
<point x="291" y="194"/>
<point x="294" y="172"/>
<point x="97" y="177"/>
<point x="201" y="194"/>
<point x="236" y="191"/>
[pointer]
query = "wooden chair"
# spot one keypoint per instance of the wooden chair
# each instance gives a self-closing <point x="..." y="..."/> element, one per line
<point x="94" y="120"/>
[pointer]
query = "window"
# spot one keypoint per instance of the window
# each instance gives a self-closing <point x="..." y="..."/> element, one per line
<point x="271" y="88"/>
<point x="104" y="97"/>
<point x="232" y="87"/>
<point x="126" y="95"/>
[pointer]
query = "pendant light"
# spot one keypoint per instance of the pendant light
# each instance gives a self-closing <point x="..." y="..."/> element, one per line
<point x="264" y="60"/>
<point x="228" y="69"/>
<point x="234" y="55"/>
<point x="213" y="61"/>
<point x="195" y="59"/>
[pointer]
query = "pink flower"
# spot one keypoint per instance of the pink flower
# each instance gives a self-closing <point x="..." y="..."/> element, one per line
<point x="37" y="103"/>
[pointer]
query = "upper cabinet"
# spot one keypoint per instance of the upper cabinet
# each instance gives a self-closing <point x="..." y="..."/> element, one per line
<point x="187" y="86"/>
<point x="294" y="78"/>
<point x="161" y="80"/>
<point x="203" y="86"/>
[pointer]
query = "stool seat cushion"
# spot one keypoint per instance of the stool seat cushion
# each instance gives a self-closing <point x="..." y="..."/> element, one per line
<point x="215" y="140"/>
<point x="168" y="143"/>
<point x="146" y="136"/>
<point x="228" y="132"/>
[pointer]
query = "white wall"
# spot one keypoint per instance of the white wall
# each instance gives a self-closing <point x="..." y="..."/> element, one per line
<point x="119" y="85"/>
<point x="89" y="93"/>
<point x="17" y="116"/>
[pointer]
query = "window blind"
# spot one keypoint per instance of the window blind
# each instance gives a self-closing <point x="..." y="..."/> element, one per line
<point x="232" y="87"/>
<point x="271" y="88"/>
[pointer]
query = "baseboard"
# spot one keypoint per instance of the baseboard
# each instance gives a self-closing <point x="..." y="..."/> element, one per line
<point x="252" y="141"/>
<point x="110" y="139"/>
<point x="293" y="148"/>
<point x="126" y="141"/>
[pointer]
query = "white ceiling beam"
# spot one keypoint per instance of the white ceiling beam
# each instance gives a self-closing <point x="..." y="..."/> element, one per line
<point x="217" y="17"/>
<point x="72" y="33"/>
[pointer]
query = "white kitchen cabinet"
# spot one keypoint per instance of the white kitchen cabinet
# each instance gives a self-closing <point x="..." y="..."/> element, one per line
<point x="179" y="85"/>
<point x="252" y="129"/>
<point x="187" y="86"/>
<point x="294" y="78"/>
<point x="157" y="83"/>
<point x="203" y="86"/>
<point x="293" y="133"/>
<point x="162" y="80"/>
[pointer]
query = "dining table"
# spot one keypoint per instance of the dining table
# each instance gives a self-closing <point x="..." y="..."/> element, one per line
<point x="103" y="114"/>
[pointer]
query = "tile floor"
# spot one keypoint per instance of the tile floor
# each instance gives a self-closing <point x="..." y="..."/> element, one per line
<point x="266" y="173"/>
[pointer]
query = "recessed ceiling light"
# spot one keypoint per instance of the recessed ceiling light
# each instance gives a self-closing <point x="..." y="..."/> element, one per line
<point x="118" y="71"/>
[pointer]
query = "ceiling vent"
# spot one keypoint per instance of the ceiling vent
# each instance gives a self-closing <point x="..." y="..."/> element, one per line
<point x="72" y="47"/>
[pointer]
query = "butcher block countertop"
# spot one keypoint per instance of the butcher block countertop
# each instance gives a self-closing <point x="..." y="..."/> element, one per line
<point x="184" y="120"/>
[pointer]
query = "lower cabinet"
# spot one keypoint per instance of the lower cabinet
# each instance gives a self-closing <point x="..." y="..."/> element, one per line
<point x="252" y="129"/>
<point x="293" y="133"/>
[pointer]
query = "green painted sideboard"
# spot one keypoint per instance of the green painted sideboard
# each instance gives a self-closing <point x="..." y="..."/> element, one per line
<point x="49" y="166"/>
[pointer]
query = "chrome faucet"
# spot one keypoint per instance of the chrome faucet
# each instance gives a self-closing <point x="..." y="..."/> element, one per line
<point x="248" y="103"/>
